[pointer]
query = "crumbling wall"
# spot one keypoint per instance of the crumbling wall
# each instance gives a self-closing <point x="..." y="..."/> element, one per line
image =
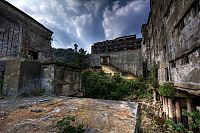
<point x="20" y="34"/>
<point x="21" y="76"/>
<point x="47" y="78"/>
<point x="2" y="71"/>
<point x="11" y="78"/>
<point x="29" y="79"/>
<point x="173" y="34"/>
<point x="61" y="79"/>
<point x="129" y="60"/>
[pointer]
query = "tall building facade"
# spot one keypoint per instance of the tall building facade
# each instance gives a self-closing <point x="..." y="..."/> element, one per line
<point x="122" y="54"/>
<point x="171" y="39"/>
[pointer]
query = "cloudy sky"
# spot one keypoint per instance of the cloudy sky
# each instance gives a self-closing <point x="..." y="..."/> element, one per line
<point x="87" y="21"/>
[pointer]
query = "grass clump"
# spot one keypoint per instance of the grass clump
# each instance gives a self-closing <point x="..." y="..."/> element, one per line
<point x="37" y="92"/>
<point x="67" y="125"/>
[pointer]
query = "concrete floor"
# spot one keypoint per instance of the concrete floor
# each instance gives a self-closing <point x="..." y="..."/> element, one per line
<point x="40" y="114"/>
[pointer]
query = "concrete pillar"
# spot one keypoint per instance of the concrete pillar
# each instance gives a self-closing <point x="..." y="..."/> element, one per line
<point x="178" y="111"/>
<point x="161" y="108"/>
<point x="171" y="108"/>
<point x="166" y="108"/>
<point x="163" y="102"/>
<point x="189" y="108"/>
<point x="154" y="96"/>
<point x="161" y="98"/>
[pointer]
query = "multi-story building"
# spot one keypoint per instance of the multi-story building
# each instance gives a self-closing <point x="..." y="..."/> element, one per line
<point x="21" y="35"/>
<point x="171" y="39"/>
<point x="25" y="57"/>
<point x="118" y="56"/>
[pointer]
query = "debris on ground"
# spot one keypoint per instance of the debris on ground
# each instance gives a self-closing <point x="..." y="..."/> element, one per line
<point x="96" y="115"/>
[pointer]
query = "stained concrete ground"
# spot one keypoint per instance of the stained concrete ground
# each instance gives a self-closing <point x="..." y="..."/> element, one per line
<point x="39" y="114"/>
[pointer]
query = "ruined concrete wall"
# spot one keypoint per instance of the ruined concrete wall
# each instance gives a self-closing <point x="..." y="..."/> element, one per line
<point x="61" y="79"/>
<point x="19" y="33"/>
<point x="21" y="76"/>
<point x="29" y="80"/>
<point x="47" y="78"/>
<point x="173" y="34"/>
<point x="67" y="81"/>
<point x="11" y="78"/>
<point x="129" y="60"/>
<point x="111" y="71"/>
<point x="2" y="71"/>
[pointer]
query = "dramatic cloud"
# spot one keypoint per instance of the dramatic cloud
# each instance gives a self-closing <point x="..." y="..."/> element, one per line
<point x="86" y="21"/>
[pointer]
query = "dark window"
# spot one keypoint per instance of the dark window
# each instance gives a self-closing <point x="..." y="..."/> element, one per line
<point x="173" y="64"/>
<point x="196" y="9"/>
<point x="166" y="74"/>
<point x="33" y="55"/>
<point x="105" y="60"/>
<point x="185" y="60"/>
<point x="181" y="25"/>
<point x="164" y="49"/>
<point x="198" y="52"/>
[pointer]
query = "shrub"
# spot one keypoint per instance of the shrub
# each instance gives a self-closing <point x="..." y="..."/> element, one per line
<point x="176" y="127"/>
<point x="179" y="127"/>
<point x="195" y="118"/>
<point x="39" y="92"/>
<point x="167" y="89"/>
<point x="99" y="85"/>
<point x="66" y="125"/>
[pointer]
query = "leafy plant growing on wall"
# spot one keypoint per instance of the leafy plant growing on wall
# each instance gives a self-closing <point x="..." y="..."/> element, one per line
<point x="179" y="127"/>
<point x="167" y="89"/>
<point x="153" y="79"/>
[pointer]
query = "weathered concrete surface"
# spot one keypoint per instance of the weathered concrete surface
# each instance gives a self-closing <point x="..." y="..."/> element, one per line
<point x="171" y="39"/>
<point x="21" y="35"/>
<point x="19" y="78"/>
<point x="60" y="78"/>
<point x="129" y="60"/>
<point x="104" y="116"/>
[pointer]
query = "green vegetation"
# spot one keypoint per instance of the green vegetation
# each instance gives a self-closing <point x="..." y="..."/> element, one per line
<point x="167" y="89"/>
<point x="193" y="124"/>
<point x="37" y="92"/>
<point x="72" y="57"/>
<point x="99" y="85"/>
<point x="153" y="79"/>
<point x="67" y="125"/>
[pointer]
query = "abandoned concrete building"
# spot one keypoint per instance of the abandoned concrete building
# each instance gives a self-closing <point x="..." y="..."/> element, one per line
<point x="171" y="39"/>
<point x="25" y="57"/>
<point x="118" y="56"/>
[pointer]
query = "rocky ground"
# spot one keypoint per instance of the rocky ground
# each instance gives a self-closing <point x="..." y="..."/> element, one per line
<point x="41" y="114"/>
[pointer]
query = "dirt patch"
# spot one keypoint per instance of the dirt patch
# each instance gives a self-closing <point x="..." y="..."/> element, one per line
<point x="101" y="115"/>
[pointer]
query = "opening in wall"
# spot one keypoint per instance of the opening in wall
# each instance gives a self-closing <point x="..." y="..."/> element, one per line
<point x="173" y="64"/>
<point x="33" y="55"/>
<point x="166" y="74"/>
<point x="185" y="60"/>
<point x="105" y="60"/>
